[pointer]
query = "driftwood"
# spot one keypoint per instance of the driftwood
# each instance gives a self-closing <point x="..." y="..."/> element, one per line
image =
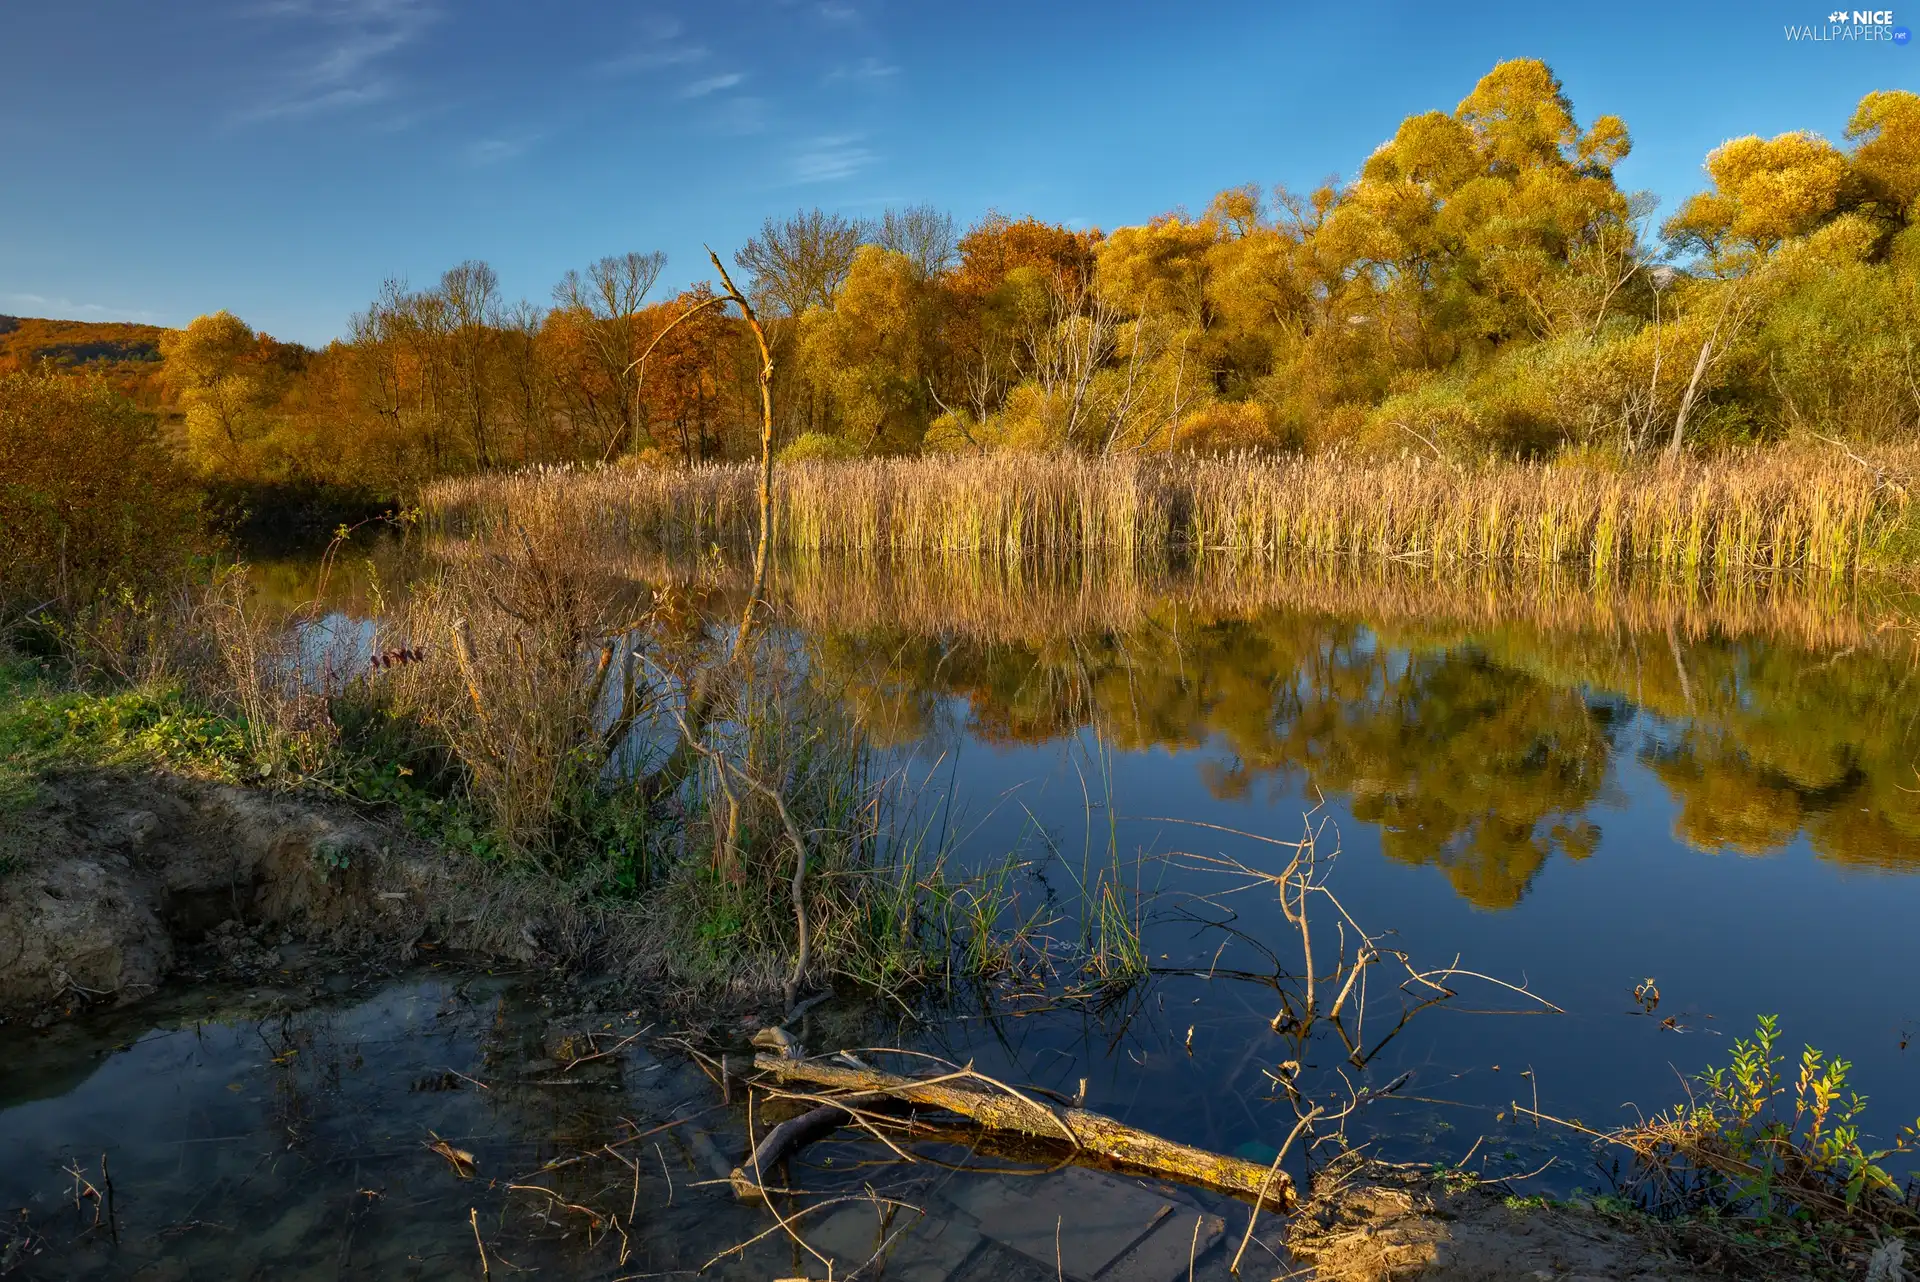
<point x="1007" y="1111"/>
<point x="748" y="1178"/>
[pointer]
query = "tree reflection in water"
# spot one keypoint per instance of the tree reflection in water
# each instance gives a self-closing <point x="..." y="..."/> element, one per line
<point x="1478" y="740"/>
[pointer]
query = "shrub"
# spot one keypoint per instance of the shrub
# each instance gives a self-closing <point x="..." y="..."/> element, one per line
<point x="89" y="499"/>
<point x="810" y="447"/>
<point x="1224" y="427"/>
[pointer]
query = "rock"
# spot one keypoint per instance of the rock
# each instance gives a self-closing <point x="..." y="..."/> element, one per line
<point x="112" y="873"/>
<point x="74" y="928"/>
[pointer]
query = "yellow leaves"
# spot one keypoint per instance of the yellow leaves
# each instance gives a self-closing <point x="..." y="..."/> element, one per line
<point x="1605" y="145"/>
<point x="1885" y="129"/>
<point x="89" y="499"/>
<point x="1237" y="211"/>
<point x="1224" y="427"/>
<point x="1765" y="190"/>
<point x="870" y="354"/>
<point x="1519" y="115"/>
<point x="883" y="290"/>
<point x="1432" y="150"/>
<point x="1159" y="269"/>
<point x="207" y="350"/>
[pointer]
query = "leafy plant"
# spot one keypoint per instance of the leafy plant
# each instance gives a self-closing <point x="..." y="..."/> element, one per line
<point x="1766" y="1161"/>
<point x="1784" y="1159"/>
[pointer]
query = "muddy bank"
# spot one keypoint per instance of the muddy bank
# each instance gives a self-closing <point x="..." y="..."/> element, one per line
<point x="113" y="879"/>
<point x="1370" y="1222"/>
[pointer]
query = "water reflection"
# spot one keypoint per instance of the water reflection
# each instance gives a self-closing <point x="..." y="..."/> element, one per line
<point x="1476" y="719"/>
<point x="1484" y="748"/>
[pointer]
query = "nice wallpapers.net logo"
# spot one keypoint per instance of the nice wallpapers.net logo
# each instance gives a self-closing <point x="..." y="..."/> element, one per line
<point x="1852" y="26"/>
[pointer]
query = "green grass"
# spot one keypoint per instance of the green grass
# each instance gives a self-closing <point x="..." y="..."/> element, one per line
<point x="43" y="727"/>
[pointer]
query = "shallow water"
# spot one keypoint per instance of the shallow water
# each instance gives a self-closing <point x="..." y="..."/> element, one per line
<point x="288" y="1134"/>
<point x="1571" y="789"/>
<point x="281" y="1134"/>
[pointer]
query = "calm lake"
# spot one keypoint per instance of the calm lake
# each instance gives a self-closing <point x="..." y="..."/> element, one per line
<point x="1577" y="791"/>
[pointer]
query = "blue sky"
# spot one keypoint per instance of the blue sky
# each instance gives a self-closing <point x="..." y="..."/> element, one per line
<point x="280" y="158"/>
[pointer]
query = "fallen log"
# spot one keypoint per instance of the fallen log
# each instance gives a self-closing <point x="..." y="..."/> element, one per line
<point x="748" y="1178"/>
<point x="1004" y="1110"/>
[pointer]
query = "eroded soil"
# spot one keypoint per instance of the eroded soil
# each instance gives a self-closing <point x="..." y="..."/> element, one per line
<point x="114" y="880"/>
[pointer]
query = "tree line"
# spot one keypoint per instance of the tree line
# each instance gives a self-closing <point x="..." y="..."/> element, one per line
<point x="1482" y="286"/>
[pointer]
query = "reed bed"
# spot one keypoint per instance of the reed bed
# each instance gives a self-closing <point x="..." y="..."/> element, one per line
<point x="1783" y="508"/>
<point x="980" y="605"/>
<point x="1003" y="602"/>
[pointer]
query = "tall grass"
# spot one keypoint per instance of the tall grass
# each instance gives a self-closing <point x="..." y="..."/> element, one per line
<point x="1774" y="509"/>
<point x="1000" y="602"/>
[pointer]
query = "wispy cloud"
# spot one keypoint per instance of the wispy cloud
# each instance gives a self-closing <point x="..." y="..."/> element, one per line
<point x="351" y="44"/>
<point x="663" y="43"/>
<point x="867" y="71"/>
<point x="66" y="306"/>
<point x="739" y="115"/>
<point x="495" y="151"/>
<point x="712" y="84"/>
<point x="831" y="159"/>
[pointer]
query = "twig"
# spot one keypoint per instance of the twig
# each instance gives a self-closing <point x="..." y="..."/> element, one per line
<point x="615" y="1049"/>
<point x="805" y="1210"/>
<point x="1425" y="977"/>
<point x="473" y="1218"/>
<point x="1261" y="1198"/>
<point x="590" y="1213"/>
<point x="804" y="943"/>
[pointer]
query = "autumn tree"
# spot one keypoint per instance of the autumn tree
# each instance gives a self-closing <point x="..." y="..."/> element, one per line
<point x="604" y="307"/>
<point x="695" y="387"/>
<point x="1885" y="131"/>
<point x="225" y="376"/>
<point x="90" y="498"/>
<point x="1765" y="191"/>
<point x="469" y="300"/>
<point x="874" y="352"/>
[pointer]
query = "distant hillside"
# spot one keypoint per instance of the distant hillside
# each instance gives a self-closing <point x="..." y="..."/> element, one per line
<point x="26" y="342"/>
<point x="126" y="354"/>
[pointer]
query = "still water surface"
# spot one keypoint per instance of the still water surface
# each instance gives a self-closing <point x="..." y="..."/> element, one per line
<point x="1572" y="791"/>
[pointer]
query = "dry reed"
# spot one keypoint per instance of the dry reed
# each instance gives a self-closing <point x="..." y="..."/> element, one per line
<point x="1011" y="602"/>
<point x="1776" y="509"/>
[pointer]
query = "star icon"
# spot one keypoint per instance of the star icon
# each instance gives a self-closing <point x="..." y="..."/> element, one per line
<point x="1838" y="15"/>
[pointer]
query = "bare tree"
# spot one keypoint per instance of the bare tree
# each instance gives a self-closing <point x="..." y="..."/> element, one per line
<point x="471" y="296"/>
<point x="927" y="236"/>
<point x="610" y="297"/>
<point x="1738" y="300"/>
<point x="1066" y="346"/>
<point x="800" y="262"/>
<point x="529" y="389"/>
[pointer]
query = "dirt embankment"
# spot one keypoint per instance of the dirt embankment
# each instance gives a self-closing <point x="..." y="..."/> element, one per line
<point x="110" y="877"/>
<point x="1371" y="1222"/>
